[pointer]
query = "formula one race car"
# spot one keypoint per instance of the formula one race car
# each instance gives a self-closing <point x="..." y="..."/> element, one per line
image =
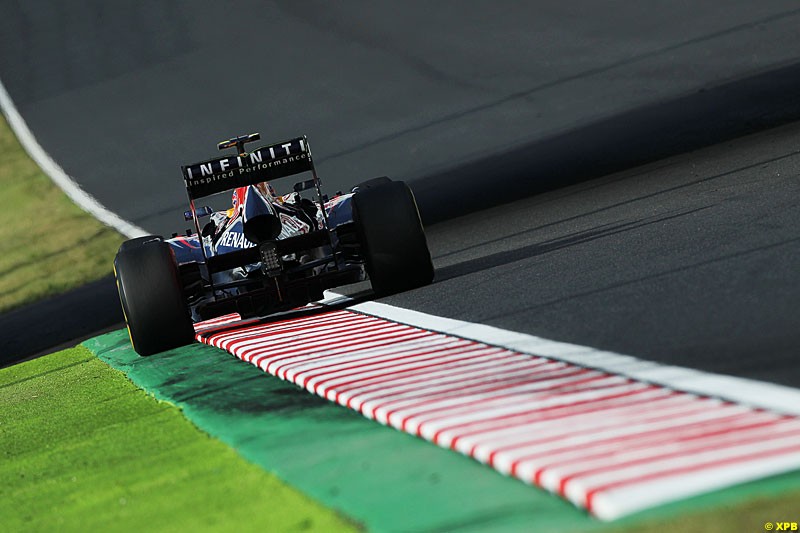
<point x="267" y="253"/>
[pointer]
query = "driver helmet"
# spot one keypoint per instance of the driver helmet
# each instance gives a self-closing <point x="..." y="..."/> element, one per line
<point x="240" y="193"/>
<point x="267" y="190"/>
<point x="237" y="198"/>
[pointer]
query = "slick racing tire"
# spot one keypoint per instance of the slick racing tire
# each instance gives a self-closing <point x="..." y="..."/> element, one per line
<point x="391" y="238"/>
<point x="138" y="241"/>
<point x="152" y="298"/>
<point x="374" y="182"/>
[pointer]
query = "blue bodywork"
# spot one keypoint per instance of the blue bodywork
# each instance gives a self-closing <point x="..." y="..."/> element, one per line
<point x="231" y="239"/>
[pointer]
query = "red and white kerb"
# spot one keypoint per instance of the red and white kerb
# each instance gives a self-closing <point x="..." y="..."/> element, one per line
<point x="609" y="443"/>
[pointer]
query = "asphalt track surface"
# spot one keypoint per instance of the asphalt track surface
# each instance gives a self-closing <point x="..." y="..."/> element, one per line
<point x="689" y="260"/>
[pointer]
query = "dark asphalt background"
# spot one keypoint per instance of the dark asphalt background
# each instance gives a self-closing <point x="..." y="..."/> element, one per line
<point x="689" y="260"/>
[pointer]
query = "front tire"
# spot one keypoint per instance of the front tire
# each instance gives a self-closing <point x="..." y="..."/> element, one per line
<point x="392" y="238"/>
<point x="152" y="298"/>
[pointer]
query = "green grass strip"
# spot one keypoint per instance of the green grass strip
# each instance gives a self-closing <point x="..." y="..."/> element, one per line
<point x="388" y="480"/>
<point x="83" y="449"/>
<point x="48" y="245"/>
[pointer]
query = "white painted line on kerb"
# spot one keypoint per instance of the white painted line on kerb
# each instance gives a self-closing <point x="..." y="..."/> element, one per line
<point x="611" y="433"/>
<point x="749" y="392"/>
<point x="84" y="200"/>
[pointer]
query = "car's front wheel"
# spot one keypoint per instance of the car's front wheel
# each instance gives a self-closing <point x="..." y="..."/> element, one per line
<point x="152" y="297"/>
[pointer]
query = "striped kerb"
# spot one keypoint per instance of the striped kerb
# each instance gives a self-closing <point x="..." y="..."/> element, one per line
<point x="608" y="443"/>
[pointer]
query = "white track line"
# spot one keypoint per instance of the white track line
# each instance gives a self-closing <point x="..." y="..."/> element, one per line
<point x="85" y="201"/>
<point x="740" y="390"/>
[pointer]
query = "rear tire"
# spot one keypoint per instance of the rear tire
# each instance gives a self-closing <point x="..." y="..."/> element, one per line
<point x="138" y="241"/>
<point x="152" y="299"/>
<point x="374" y="182"/>
<point x="392" y="238"/>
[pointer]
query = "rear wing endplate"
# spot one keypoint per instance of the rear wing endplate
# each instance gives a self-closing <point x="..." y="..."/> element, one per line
<point x="262" y="164"/>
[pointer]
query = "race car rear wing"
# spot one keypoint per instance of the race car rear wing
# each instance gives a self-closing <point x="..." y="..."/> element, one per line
<point x="262" y="164"/>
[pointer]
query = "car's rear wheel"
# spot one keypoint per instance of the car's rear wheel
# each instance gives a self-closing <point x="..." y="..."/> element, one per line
<point x="392" y="238"/>
<point x="138" y="241"/>
<point x="152" y="297"/>
<point x="374" y="182"/>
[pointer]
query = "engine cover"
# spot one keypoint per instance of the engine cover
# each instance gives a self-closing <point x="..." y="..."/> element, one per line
<point x="260" y="220"/>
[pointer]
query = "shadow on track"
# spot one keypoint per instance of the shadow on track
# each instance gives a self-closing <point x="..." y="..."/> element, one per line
<point x="353" y="299"/>
<point x="59" y="322"/>
<point x="639" y="136"/>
